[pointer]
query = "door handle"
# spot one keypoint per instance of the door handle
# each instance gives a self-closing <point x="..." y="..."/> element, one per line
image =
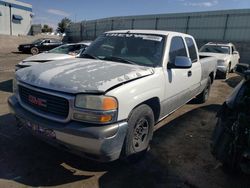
<point x="189" y="73"/>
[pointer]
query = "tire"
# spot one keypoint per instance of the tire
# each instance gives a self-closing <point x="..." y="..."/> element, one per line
<point x="204" y="95"/>
<point x="233" y="69"/>
<point x="225" y="74"/>
<point x="139" y="134"/>
<point x="34" y="50"/>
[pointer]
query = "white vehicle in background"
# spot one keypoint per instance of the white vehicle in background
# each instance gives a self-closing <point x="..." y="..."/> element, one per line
<point x="227" y="56"/>
<point x="66" y="51"/>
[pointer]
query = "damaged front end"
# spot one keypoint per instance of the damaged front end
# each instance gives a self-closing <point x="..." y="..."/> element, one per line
<point x="231" y="137"/>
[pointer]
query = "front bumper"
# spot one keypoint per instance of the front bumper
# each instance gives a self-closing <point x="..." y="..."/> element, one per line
<point x="98" y="142"/>
<point x="222" y="69"/>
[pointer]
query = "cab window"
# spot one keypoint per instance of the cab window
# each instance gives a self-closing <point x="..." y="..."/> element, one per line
<point x="177" y="48"/>
<point x="192" y="50"/>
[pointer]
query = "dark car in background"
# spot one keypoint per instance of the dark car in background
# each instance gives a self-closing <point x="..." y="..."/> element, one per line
<point x="39" y="45"/>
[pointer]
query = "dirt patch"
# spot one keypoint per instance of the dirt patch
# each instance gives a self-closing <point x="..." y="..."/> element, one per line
<point x="179" y="156"/>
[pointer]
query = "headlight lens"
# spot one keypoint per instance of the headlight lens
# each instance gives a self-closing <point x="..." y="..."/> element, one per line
<point x="94" y="102"/>
<point x="221" y="62"/>
<point x="95" y="109"/>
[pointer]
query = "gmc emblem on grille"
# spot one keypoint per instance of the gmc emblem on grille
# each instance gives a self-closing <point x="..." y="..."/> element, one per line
<point x="37" y="101"/>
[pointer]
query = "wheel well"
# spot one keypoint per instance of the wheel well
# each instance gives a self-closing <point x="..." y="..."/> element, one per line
<point x="211" y="75"/>
<point x="154" y="104"/>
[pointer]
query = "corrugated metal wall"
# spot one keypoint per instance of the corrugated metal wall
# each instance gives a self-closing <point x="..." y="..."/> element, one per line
<point x="229" y="25"/>
<point x="226" y="26"/>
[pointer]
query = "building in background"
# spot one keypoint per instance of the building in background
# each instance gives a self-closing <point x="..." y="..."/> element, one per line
<point x="15" y="17"/>
<point x="36" y="29"/>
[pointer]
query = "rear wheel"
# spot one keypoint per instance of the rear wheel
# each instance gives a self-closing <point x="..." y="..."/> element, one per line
<point x="140" y="132"/>
<point x="203" y="97"/>
<point x="34" y="50"/>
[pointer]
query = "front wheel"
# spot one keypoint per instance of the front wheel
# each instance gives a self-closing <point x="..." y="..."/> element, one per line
<point x="140" y="132"/>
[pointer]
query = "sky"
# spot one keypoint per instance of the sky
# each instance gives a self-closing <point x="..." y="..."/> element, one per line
<point x="52" y="11"/>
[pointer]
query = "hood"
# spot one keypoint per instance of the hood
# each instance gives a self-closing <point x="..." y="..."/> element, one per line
<point x="81" y="75"/>
<point x="44" y="57"/>
<point x="217" y="55"/>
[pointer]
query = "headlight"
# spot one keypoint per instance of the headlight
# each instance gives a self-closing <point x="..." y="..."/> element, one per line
<point x="221" y="62"/>
<point x="95" y="102"/>
<point x="95" y="109"/>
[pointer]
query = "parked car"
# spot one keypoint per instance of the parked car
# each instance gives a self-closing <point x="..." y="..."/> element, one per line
<point x="66" y="51"/>
<point x="39" y="45"/>
<point x="227" y="55"/>
<point x="231" y="136"/>
<point x="104" y="104"/>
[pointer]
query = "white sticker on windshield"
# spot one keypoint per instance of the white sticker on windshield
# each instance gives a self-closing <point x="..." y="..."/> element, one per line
<point x="144" y="37"/>
<point x="153" y="38"/>
<point x="224" y="47"/>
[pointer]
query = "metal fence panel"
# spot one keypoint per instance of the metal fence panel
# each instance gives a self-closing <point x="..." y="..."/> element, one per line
<point x="217" y="25"/>
<point x="122" y="24"/>
<point x="144" y="23"/>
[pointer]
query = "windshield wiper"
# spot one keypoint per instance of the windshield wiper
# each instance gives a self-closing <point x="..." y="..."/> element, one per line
<point x="120" y="59"/>
<point x="88" y="56"/>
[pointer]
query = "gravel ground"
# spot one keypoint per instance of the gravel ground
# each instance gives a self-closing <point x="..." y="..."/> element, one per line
<point x="179" y="156"/>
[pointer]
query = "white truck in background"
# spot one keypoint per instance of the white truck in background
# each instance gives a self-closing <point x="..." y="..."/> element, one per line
<point x="227" y="55"/>
<point x="104" y="105"/>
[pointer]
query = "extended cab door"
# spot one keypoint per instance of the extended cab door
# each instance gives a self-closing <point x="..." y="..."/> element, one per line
<point x="195" y="78"/>
<point x="178" y="81"/>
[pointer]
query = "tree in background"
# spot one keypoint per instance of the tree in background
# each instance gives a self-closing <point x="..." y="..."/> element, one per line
<point x="65" y="22"/>
<point x="46" y="29"/>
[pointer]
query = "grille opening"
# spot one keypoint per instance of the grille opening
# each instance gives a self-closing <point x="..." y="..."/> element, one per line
<point x="55" y="105"/>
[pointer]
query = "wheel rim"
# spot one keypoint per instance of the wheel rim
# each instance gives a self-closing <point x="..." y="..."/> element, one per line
<point x="34" y="51"/>
<point x="141" y="131"/>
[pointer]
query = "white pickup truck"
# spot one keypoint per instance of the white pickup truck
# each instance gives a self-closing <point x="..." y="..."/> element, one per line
<point x="104" y="105"/>
<point x="227" y="56"/>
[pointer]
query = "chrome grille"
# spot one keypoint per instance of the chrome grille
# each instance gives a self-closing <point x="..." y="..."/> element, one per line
<point x="52" y="105"/>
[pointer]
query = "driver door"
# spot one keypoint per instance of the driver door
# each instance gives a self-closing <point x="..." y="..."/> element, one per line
<point x="178" y="81"/>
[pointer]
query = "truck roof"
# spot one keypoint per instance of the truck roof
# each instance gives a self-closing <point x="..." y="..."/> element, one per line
<point x="156" y="32"/>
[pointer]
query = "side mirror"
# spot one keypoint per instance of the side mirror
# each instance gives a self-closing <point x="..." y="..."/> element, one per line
<point x="235" y="52"/>
<point x="181" y="62"/>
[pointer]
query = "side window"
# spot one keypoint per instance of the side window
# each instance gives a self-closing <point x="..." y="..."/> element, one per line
<point x="177" y="48"/>
<point x="192" y="50"/>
